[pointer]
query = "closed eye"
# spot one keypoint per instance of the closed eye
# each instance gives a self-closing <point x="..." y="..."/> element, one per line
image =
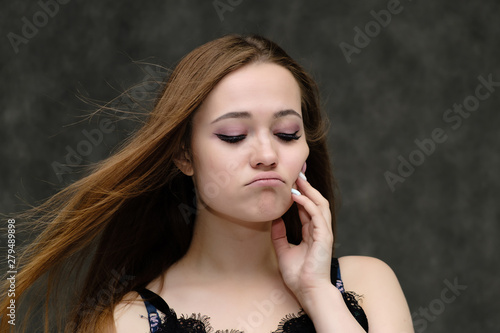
<point x="288" y="136"/>
<point x="231" y="138"/>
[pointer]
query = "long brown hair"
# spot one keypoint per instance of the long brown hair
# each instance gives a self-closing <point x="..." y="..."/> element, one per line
<point x="132" y="216"/>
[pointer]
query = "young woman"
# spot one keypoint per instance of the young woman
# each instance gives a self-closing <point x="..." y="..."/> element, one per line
<point x="216" y="216"/>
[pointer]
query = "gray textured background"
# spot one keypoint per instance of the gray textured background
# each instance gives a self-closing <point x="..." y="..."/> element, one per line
<point x="440" y="224"/>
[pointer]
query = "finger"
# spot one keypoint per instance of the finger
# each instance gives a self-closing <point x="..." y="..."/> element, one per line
<point x="307" y="225"/>
<point x="303" y="215"/>
<point x="307" y="189"/>
<point x="317" y="218"/>
<point x="278" y="236"/>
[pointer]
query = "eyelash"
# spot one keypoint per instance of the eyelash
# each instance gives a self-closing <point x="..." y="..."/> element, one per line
<point x="287" y="137"/>
<point x="231" y="139"/>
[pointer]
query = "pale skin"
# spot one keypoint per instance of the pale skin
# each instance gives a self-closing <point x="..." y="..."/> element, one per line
<point x="250" y="127"/>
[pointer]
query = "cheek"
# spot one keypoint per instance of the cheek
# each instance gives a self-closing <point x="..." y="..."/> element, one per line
<point x="302" y="154"/>
<point x="295" y="158"/>
<point x="214" y="173"/>
<point x="305" y="153"/>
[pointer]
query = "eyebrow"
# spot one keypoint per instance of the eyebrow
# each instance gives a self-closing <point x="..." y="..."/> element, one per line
<point x="246" y="115"/>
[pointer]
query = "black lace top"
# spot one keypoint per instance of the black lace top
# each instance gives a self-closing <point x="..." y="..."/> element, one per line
<point x="164" y="319"/>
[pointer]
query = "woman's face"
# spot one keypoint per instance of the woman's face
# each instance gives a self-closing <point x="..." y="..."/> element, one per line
<point x="248" y="144"/>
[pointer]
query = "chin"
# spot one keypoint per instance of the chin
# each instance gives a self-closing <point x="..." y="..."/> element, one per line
<point x="266" y="208"/>
<point x="271" y="211"/>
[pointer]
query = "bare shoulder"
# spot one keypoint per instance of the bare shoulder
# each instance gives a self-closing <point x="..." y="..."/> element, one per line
<point x="359" y="269"/>
<point x="367" y="275"/>
<point x="130" y="315"/>
<point x="382" y="298"/>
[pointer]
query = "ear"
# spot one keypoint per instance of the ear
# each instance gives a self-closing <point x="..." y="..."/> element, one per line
<point x="184" y="163"/>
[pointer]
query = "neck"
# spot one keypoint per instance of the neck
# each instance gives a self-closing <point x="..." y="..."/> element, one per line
<point x="225" y="247"/>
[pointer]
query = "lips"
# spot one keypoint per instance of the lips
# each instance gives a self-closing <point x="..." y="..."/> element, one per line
<point x="267" y="178"/>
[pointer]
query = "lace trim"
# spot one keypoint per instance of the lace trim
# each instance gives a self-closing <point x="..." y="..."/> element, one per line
<point x="201" y="323"/>
<point x="296" y="321"/>
<point x="289" y="317"/>
<point x="353" y="299"/>
<point x="293" y="322"/>
<point x="196" y="322"/>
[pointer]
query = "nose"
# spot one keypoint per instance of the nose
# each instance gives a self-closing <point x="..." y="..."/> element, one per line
<point x="264" y="153"/>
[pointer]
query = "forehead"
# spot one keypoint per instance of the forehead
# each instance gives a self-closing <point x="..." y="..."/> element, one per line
<point x="258" y="88"/>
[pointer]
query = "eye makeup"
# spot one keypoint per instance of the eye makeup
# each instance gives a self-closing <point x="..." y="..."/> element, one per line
<point x="285" y="128"/>
<point x="288" y="136"/>
<point x="231" y="138"/>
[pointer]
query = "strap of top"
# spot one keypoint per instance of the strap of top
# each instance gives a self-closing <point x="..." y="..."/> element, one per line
<point x="350" y="298"/>
<point x="335" y="275"/>
<point x="153" y="303"/>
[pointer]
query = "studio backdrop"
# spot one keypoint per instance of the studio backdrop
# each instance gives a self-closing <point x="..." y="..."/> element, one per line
<point x="411" y="89"/>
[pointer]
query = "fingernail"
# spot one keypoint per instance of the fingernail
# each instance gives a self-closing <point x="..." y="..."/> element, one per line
<point x="301" y="175"/>
<point x="294" y="191"/>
